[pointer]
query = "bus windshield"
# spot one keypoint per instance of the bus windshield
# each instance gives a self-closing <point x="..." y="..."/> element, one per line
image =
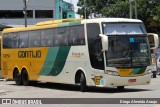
<point x="128" y="52"/>
<point x="128" y="47"/>
<point x="124" y="28"/>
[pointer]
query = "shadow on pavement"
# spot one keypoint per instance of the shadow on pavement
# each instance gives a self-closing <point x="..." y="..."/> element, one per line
<point x="67" y="87"/>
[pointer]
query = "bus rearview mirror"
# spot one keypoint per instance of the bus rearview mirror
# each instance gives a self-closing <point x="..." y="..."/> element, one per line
<point x="153" y="40"/>
<point x="104" y="40"/>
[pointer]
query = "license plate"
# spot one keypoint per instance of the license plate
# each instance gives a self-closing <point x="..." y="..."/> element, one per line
<point x="131" y="80"/>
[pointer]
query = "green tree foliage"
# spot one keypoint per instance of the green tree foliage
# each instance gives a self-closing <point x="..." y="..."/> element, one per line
<point x="102" y="8"/>
<point x="148" y="10"/>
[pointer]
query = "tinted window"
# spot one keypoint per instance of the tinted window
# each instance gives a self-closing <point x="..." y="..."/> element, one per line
<point x="94" y="45"/>
<point x="6" y="40"/>
<point x="61" y="36"/>
<point x="14" y="40"/>
<point x="98" y="55"/>
<point x="44" y="13"/>
<point x="127" y="51"/>
<point x="76" y="36"/>
<point x="34" y="38"/>
<point x="47" y="37"/>
<point x="23" y="38"/>
<point x="14" y="14"/>
<point x="123" y="28"/>
<point x="57" y="38"/>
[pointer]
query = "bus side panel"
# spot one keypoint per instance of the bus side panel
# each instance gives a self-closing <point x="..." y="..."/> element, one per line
<point x="76" y="59"/>
<point x="6" y="67"/>
<point x="55" y="61"/>
<point x="54" y="68"/>
<point x="31" y="59"/>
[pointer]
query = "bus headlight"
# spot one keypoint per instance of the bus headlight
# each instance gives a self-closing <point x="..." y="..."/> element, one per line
<point x="114" y="73"/>
<point x="149" y="71"/>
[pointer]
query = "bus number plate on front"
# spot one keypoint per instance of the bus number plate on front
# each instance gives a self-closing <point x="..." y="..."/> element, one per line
<point x="131" y="80"/>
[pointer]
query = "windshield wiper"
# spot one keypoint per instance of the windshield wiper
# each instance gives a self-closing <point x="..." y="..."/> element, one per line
<point x="130" y="53"/>
<point x="138" y="58"/>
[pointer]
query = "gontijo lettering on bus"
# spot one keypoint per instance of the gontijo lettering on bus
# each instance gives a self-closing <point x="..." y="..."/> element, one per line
<point x="29" y="54"/>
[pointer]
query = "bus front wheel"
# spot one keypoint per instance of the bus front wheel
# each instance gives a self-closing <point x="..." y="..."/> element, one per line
<point x="83" y="83"/>
<point x="25" y="78"/>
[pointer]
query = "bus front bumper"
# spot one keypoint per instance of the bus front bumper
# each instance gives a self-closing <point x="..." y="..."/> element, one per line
<point x="112" y="81"/>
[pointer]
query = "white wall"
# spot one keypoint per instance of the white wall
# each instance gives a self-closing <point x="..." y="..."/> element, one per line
<point x="21" y="21"/>
<point x="31" y="5"/>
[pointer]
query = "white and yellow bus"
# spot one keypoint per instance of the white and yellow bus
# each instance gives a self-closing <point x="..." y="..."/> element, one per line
<point x="104" y="52"/>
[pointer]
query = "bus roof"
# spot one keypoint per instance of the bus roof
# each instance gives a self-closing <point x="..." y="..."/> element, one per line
<point x="41" y="25"/>
<point x="99" y="20"/>
<point x="55" y="23"/>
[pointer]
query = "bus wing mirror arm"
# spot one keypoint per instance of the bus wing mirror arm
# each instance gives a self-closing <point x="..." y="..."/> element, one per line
<point x="104" y="39"/>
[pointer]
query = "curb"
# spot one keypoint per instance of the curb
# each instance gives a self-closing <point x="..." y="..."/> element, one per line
<point x="3" y="79"/>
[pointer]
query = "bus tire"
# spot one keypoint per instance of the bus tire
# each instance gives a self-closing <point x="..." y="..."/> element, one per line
<point x="25" y="78"/>
<point x="17" y="78"/>
<point x="154" y="74"/>
<point x="83" y="83"/>
<point x="120" y="88"/>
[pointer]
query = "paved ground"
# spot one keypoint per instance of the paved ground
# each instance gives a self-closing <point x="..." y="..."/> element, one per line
<point x="8" y="89"/>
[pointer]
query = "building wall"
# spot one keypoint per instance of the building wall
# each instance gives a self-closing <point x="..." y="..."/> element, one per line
<point x="59" y="9"/>
<point x="54" y="9"/>
<point x="69" y="9"/>
<point x="62" y="8"/>
<point x="71" y="14"/>
<point x="33" y="5"/>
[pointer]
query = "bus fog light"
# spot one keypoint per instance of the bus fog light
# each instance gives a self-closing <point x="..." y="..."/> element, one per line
<point x="114" y="73"/>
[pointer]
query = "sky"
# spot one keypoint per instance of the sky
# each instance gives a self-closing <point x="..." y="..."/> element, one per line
<point x="74" y="2"/>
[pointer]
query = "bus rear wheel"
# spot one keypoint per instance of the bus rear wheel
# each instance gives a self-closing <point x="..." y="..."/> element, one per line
<point x="25" y="78"/>
<point x="83" y="83"/>
<point x="17" y="78"/>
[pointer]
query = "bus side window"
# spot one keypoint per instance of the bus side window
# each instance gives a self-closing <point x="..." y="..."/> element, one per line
<point x="23" y="39"/>
<point x="36" y="44"/>
<point x="62" y="36"/>
<point x="23" y="44"/>
<point x="81" y="36"/>
<point x="14" y="40"/>
<point x="93" y="30"/>
<point x="66" y="36"/>
<point x="98" y="54"/>
<point x="54" y="37"/>
<point x="47" y="37"/>
<point x="76" y="36"/>
<point x="34" y="38"/>
<point x="58" y="40"/>
<point x="6" y="40"/>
